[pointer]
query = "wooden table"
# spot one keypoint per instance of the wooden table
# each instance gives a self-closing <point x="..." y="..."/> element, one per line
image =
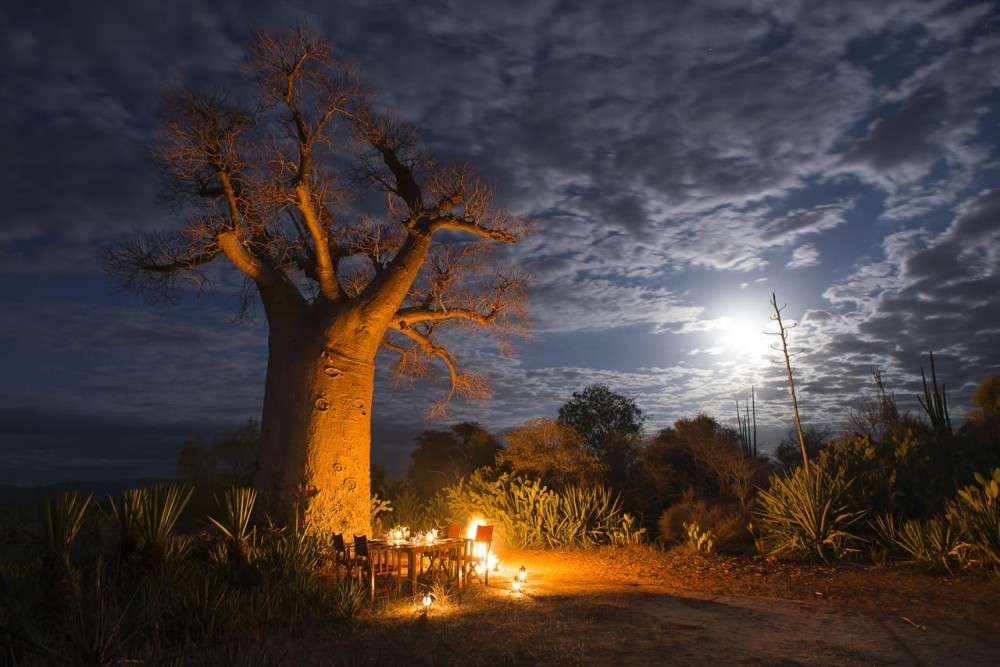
<point x="455" y="547"/>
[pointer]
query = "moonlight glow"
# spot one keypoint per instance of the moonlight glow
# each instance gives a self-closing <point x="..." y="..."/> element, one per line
<point x="742" y="340"/>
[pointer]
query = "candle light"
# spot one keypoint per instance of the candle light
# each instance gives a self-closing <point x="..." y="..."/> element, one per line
<point x="516" y="586"/>
<point x="522" y="575"/>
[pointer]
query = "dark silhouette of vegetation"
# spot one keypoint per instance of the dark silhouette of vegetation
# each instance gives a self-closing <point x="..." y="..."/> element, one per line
<point x="747" y="424"/>
<point x="611" y="425"/>
<point x="935" y="401"/>
<point x="788" y="452"/>
<point x="782" y="347"/>
<point x="441" y="458"/>
<point x="700" y="471"/>
<point x="225" y="460"/>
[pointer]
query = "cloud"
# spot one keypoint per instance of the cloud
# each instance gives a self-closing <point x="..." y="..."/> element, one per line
<point x="665" y="157"/>
<point x="804" y="256"/>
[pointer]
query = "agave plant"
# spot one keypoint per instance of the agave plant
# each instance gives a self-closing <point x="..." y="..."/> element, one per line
<point x="886" y="531"/>
<point x="127" y="513"/>
<point x="97" y="631"/>
<point x="237" y="505"/>
<point x="290" y="554"/>
<point x="62" y="518"/>
<point x="977" y="512"/>
<point x="349" y="600"/>
<point x="806" y="514"/>
<point x="161" y="506"/>
<point x="934" y="543"/>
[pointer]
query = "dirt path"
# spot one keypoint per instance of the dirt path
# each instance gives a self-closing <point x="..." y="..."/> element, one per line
<point x="654" y="620"/>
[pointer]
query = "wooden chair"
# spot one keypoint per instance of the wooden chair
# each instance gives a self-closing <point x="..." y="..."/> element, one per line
<point x="484" y="535"/>
<point x="460" y="557"/>
<point x="368" y="565"/>
<point x="341" y="556"/>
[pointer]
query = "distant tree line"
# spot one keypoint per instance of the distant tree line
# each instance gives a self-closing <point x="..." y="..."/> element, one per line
<point x="697" y="470"/>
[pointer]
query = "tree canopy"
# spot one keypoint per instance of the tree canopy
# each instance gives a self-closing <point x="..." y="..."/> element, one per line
<point x="610" y="425"/>
<point x="443" y="456"/>
<point x="551" y="451"/>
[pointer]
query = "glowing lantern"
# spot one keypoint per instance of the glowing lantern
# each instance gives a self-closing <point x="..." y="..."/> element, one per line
<point x="522" y="575"/>
<point x="431" y="536"/>
<point x="515" y="586"/>
<point x="427" y="601"/>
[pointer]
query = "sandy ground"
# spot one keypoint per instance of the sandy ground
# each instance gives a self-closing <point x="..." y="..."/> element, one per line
<point x="642" y="606"/>
<point x="659" y="619"/>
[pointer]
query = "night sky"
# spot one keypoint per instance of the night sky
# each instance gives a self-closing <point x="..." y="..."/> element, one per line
<point x="679" y="162"/>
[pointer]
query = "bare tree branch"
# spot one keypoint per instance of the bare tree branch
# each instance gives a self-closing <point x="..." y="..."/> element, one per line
<point x="265" y="186"/>
<point x="154" y="264"/>
<point x="469" y="385"/>
<point x="409" y="316"/>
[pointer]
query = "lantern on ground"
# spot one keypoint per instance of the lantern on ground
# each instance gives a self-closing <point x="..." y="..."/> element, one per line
<point x="427" y="601"/>
<point x="515" y="586"/>
<point x="522" y="574"/>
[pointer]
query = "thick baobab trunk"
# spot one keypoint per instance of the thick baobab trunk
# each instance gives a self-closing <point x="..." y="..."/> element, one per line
<point x="316" y="426"/>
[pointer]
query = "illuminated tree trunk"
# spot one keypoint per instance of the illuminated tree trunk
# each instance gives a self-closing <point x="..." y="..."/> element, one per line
<point x="316" y="427"/>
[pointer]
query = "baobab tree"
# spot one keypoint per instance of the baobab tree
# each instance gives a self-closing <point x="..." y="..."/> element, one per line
<point x="281" y="187"/>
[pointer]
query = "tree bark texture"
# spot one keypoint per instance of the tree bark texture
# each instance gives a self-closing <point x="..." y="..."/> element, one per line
<point x="316" y="426"/>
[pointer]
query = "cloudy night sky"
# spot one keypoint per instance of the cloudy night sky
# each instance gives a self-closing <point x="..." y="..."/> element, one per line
<point x="679" y="160"/>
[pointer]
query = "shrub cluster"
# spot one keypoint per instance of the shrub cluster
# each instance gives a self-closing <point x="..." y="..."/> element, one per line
<point x="810" y="512"/>
<point x="115" y="583"/>
<point x="529" y="514"/>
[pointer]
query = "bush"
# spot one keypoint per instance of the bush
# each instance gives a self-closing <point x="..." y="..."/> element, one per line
<point x="699" y="457"/>
<point x="377" y="508"/>
<point x="727" y="523"/>
<point x="805" y="514"/>
<point x="349" y="600"/>
<point x="529" y="514"/>
<point x="976" y="510"/>
<point x="290" y="554"/>
<point x="934" y="543"/>
<point x="406" y="508"/>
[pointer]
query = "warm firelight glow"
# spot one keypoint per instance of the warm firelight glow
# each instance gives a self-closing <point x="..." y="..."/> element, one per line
<point x="474" y="522"/>
<point x="490" y="560"/>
